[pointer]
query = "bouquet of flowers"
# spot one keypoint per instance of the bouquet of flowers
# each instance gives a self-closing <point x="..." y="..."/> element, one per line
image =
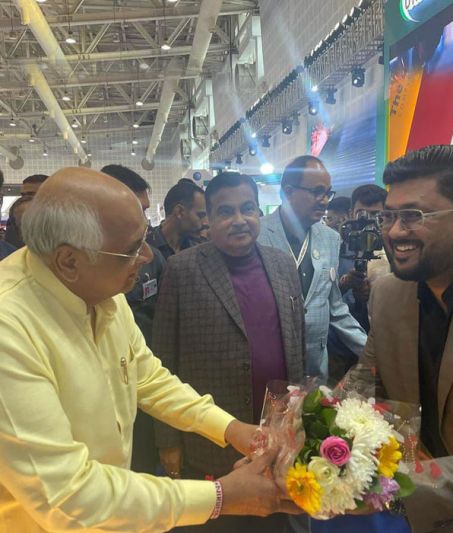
<point x="338" y="453"/>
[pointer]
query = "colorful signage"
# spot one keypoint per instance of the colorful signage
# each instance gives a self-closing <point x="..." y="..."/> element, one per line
<point x="409" y="9"/>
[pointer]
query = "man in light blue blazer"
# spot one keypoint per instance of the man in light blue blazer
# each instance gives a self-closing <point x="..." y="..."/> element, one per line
<point x="295" y="228"/>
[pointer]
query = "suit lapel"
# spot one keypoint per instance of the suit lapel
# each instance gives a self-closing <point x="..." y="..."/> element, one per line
<point x="408" y="339"/>
<point x="277" y="234"/>
<point x="445" y="376"/>
<point x="216" y="273"/>
<point x="282" y="296"/>
<point x="316" y="244"/>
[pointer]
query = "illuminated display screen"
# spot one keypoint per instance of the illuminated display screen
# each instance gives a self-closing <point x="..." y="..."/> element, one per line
<point x="420" y="109"/>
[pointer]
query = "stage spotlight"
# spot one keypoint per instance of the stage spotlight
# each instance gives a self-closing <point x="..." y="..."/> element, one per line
<point x="253" y="148"/>
<point x="358" y="77"/>
<point x="267" y="168"/>
<point x="265" y="142"/>
<point x="239" y="159"/>
<point x="330" y="98"/>
<point x="313" y="107"/>
<point x="287" y="127"/>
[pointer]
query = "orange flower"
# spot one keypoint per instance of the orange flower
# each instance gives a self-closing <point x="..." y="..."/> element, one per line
<point x="389" y="456"/>
<point x="303" y="489"/>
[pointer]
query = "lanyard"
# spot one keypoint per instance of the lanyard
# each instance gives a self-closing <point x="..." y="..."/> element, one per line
<point x="302" y="252"/>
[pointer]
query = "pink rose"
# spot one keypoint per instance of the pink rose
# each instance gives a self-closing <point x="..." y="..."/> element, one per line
<point x="335" y="450"/>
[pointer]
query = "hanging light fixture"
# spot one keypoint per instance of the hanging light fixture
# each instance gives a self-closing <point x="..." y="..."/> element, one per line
<point x="70" y="39"/>
<point x="74" y="124"/>
<point x="134" y="141"/>
<point x="83" y="140"/>
<point x="136" y="125"/>
<point x="133" y="151"/>
<point x="45" y="153"/>
<point x="12" y="122"/>
<point x="165" y="43"/>
<point x="66" y="97"/>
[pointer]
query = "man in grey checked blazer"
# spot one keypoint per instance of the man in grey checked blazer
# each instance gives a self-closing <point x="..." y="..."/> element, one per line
<point x="208" y="333"/>
<point x="305" y="192"/>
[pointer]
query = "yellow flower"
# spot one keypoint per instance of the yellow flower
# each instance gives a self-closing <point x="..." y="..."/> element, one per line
<point x="389" y="456"/>
<point x="303" y="488"/>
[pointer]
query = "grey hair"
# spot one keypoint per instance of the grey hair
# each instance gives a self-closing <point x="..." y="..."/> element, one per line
<point x="50" y="222"/>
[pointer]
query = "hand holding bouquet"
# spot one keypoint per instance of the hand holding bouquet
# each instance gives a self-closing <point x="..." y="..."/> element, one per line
<point x="356" y="453"/>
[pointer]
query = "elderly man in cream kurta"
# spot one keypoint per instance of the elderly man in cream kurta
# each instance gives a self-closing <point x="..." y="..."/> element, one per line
<point x="73" y="368"/>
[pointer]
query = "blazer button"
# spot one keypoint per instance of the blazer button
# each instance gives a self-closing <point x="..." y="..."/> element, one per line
<point x="247" y="400"/>
<point x="246" y="366"/>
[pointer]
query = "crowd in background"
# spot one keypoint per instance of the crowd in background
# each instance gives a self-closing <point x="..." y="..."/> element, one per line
<point x="229" y="300"/>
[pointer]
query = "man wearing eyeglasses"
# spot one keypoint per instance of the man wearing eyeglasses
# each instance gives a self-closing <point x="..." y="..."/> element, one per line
<point x="410" y="344"/>
<point x="75" y="366"/>
<point x="295" y="228"/>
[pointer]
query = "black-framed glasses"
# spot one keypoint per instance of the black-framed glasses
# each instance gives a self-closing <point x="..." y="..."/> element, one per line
<point x="410" y="219"/>
<point x="318" y="192"/>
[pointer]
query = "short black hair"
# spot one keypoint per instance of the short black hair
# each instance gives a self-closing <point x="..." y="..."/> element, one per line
<point x="295" y="171"/>
<point x="226" y="180"/>
<point x="181" y="193"/>
<point x="368" y="195"/>
<point x="36" y="178"/>
<point x="18" y="202"/>
<point x="429" y="162"/>
<point x="127" y="176"/>
<point x="340" y="204"/>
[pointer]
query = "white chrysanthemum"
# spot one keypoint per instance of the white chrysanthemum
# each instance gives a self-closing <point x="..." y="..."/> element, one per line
<point x="358" y="419"/>
<point x="339" y="499"/>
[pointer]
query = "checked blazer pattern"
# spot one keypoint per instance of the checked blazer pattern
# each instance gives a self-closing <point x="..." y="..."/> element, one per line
<point x="324" y="305"/>
<point x="200" y="336"/>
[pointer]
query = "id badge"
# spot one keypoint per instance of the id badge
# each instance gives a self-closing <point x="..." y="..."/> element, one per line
<point x="149" y="288"/>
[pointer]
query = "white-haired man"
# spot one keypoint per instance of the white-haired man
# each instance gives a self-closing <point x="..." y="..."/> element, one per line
<point x="74" y="367"/>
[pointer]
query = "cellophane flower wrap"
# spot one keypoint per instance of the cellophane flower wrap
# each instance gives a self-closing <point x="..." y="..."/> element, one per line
<point x="340" y="450"/>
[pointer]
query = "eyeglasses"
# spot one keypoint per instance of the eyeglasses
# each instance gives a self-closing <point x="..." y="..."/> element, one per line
<point x="318" y="192"/>
<point x="410" y="219"/>
<point x="131" y="257"/>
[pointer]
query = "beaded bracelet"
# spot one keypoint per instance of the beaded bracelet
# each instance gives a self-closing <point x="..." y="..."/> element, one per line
<point x="218" y="500"/>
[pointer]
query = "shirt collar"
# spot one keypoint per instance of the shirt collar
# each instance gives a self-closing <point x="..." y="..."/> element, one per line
<point x="427" y="298"/>
<point x="73" y="303"/>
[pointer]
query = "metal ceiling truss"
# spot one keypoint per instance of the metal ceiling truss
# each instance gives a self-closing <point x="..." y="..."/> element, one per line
<point x="330" y="62"/>
<point x="117" y="57"/>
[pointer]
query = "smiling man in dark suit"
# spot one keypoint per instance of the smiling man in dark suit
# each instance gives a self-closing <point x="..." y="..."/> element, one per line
<point x="229" y="318"/>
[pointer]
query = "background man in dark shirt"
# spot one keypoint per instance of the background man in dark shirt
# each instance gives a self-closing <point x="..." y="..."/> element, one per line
<point x="229" y="318"/>
<point x="142" y="299"/>
<point x="5" y="248"/>
<point x="411" y="339"/>
<point x="185" y="218"/>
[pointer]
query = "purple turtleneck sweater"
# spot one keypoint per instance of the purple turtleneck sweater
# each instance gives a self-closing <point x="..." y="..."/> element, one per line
<point x="262" y="323"/>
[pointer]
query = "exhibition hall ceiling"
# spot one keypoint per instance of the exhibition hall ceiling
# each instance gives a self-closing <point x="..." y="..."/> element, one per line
<point x="79" y="71"/>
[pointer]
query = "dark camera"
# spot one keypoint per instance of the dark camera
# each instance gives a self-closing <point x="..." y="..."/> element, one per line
<point x="361" y="238"/>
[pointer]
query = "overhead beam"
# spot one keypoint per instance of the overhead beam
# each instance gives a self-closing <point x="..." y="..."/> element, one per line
<point x="121" y="55"/>
<point x="209" y="11"/>
<point x="38" y="81"/>
<point x="123" y="108"/>
<point x="126" y="15"/>
<point x="103" y="79"/>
